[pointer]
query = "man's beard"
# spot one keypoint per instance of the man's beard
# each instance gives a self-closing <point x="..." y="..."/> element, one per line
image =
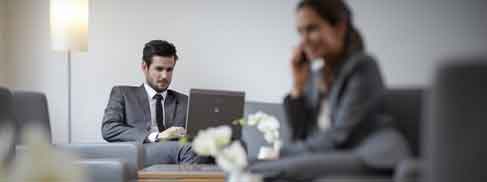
<point x="157" y="88"/>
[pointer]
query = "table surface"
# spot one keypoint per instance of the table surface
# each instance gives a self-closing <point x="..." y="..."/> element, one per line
<point x="181" y="173"/>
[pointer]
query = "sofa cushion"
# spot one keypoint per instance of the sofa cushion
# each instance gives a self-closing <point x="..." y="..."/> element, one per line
<point x="30" y="108"/>
<point x="405" y="106"/>
<point x="131" y="153"/>
<point x="104" y="170"/>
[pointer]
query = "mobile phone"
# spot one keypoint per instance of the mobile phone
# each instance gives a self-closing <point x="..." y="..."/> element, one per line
<point x="304" y="59"/>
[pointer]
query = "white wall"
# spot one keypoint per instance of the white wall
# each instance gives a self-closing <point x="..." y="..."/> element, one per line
<point x="3" y="30"/>
<point x="31" y="64"/>
<point x="237" y="45"/>
<point x="222" y="45"/>
<point x="410" y="37"/>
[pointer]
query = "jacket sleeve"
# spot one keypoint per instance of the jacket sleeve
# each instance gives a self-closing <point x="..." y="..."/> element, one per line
<point x="300" y="117"/>
<point x="362" y="91"/>
<point x="114" y="126"/>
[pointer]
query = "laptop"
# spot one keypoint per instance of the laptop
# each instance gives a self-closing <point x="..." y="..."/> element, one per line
<point x="212" y="108"/>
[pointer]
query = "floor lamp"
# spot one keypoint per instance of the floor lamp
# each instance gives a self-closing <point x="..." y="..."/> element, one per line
<point x="69" y="33"/>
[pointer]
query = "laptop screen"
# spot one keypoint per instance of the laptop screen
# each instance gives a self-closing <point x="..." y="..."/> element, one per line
<point x="212" y="108"/>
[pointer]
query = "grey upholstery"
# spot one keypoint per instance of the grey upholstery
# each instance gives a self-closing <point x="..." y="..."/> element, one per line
<point x="7" y="148"/>
<point x="333" y="164"/>
<point x="131" y="153"/>
<point x="104" y="162"/>
<point x="408" y="171"/>
<point x="104" y="170"/>
<point x="455" y="148"/>
<point x="5" y="105"/>
<point x="405" y="107"/>
<point x="30" y="108"/>
<point x="253" y="138"/>
<point x="95" y="169"/>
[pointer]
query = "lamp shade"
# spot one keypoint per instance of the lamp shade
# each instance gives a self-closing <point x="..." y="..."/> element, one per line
<point x="69" y="25"/>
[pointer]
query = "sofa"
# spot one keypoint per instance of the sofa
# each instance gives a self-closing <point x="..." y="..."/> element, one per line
<point x="404" y="106"/>
<point x="121" y="161"/>
<point x="102" y="162"/>
<point x="455" y="113"/>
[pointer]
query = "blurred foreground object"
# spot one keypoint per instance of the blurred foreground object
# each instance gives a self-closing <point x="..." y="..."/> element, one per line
<point x="457" y="122"/>
<point x="41" y="162"/>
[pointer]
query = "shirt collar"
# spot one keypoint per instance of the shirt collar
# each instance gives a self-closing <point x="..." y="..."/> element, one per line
<point x="151" y="92"/>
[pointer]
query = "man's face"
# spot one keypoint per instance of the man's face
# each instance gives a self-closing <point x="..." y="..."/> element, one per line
<point x="159" y="74"/>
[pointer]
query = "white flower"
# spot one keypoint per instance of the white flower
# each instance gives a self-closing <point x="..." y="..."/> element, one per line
<point x="40" y="162"/>
<point x="260" y="117"/>
<point x="244" y="177"/>
<point x="277" y="145"/>
<point x="6" y="143"/>
<point x="269" y="124"/>
<point x="271" y="136"/>
<point x="232" y="158"/>
<point x="267" y="153"/>
<point x="254" y="119"/>
<point x="212" y="140"/>
<point x="270" y="129"/>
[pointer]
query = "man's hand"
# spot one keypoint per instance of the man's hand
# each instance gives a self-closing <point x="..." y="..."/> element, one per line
<point x="172" y="133"/>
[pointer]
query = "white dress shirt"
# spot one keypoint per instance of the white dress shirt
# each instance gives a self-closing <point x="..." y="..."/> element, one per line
<point x="154" y="130"/>
<point x="324" y="116"/>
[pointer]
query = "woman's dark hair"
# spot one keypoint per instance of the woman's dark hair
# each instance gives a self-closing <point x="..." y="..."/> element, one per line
<point x="158" y="48"/>
<point x="334" y="12"/>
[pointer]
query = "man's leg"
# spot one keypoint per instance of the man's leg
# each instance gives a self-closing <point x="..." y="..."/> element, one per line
<point x="160" y="153"/>
<point x="186" y="155"/>
<point x="171" y="152"/>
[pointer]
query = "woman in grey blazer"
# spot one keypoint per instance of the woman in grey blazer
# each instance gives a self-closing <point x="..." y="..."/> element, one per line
<point x="335" y="106"/>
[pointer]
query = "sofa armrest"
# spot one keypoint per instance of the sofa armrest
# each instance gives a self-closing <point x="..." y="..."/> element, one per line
<point x="104" y="170"/>
<point x="408" y="171"/>
<point x="131" y="153"/>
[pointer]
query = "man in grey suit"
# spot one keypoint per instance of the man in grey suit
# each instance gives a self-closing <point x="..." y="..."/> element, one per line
<point x="151" y="114"/>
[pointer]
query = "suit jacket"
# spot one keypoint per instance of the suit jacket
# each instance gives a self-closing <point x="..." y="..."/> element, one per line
<point x="127" y="116"/>
<point x="358" y="123"/>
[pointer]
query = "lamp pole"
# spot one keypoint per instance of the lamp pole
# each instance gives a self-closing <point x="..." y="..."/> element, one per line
<point x="69" y="32"/>
<point x="68" y="58"/>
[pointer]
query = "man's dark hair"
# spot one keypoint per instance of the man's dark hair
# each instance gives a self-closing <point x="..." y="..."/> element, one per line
<point x="158" y="48"/>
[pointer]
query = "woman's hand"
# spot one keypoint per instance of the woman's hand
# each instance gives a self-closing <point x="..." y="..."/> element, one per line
<point x="300" y="70"/>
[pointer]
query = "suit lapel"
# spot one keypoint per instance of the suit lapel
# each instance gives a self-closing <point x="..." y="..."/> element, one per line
<point x="170" y="108"/>
<point x="343" y="71"/>
<point x="143" y="102"/>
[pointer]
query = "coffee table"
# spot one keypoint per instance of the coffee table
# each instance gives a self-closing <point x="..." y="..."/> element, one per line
<point x="181" y="173"/>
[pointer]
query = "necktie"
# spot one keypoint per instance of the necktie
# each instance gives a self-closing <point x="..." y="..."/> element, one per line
<point x="159" y="112"/>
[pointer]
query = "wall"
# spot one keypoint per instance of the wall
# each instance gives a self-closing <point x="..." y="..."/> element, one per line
<point x="31" y="63"/>
<point x="410" y="37"/>
<point x="3" y="30"/>
<point x="236" y="45"/>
